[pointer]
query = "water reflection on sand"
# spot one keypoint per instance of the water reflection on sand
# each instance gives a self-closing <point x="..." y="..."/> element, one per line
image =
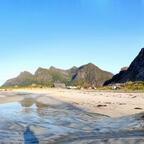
<point x="31" y="121"/>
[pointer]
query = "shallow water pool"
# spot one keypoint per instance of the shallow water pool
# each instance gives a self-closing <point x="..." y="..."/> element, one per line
<point x="29" y="121"/>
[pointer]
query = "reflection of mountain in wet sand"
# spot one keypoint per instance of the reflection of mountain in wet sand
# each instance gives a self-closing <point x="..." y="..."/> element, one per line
<point x="27" y="102"/>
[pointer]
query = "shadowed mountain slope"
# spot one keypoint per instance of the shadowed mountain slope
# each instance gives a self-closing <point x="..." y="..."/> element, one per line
<point x="135" y="72"/>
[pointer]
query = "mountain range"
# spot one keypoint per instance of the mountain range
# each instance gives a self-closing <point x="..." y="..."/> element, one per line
<point x="86" y="75"/>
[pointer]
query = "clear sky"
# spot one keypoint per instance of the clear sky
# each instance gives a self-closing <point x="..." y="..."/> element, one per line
<point x="64" y="33"/>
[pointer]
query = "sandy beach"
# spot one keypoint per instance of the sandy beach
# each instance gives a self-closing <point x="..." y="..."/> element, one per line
<point x="51" y="116"/>
<point x="112" y="104"/>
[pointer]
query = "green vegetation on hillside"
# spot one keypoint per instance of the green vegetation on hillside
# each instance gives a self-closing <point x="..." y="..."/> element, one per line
<point x="125" y="87"/>
<point x="84" y="76"/>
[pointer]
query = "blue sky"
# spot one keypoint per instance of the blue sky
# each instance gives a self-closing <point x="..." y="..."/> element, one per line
<point x="63" y="33"/>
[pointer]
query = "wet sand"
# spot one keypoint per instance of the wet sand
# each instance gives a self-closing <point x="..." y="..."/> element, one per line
<point x="108" y="103"/>
<point x="54" y="117"/>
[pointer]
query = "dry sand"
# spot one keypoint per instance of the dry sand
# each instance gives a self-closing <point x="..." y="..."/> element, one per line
<point x="108" y="103"/>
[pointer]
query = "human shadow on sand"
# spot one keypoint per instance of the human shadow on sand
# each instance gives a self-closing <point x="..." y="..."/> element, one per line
<point x="29" y="137"/>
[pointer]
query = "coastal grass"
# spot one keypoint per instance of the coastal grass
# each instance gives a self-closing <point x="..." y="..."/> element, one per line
<point x="126" y="87"/>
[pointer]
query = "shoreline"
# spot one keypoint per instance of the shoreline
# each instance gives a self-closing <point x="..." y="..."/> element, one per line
<point x="106" y="103"/>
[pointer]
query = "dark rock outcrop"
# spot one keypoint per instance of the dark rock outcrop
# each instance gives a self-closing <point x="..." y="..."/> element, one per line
<point x="135" y="72"/>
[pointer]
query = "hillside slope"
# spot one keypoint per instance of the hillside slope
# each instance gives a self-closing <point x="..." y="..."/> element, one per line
<point x="135" y="71"/>
<point x="86" y="75"/>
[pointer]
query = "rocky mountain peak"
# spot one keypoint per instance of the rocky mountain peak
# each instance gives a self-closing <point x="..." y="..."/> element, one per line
<point x="141" y="54"/>
<point x="25" y="73"/>
<point x="124" y="68"/>
<point x="135" y="72"/>
<point x="88" y="74"/>
<point x="52" y="68"/>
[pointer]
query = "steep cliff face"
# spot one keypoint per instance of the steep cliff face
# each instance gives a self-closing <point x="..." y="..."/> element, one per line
<point x="135" y="71"/>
